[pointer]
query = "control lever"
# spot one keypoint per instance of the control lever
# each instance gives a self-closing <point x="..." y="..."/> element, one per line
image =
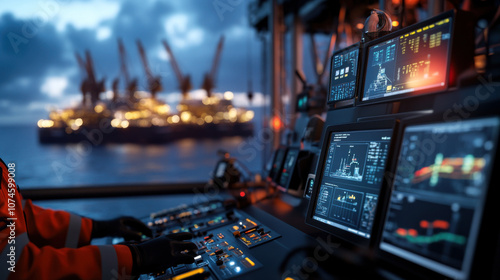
<point x="198" y="259"/>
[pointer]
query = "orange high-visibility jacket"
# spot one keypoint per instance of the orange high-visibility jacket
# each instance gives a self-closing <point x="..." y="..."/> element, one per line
<point x="37" y="243"/>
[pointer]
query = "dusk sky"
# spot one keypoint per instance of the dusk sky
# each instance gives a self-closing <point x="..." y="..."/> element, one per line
<point x="39" y="39"/>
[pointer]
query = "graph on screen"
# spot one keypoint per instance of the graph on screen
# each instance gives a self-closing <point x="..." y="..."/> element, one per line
<point x="439" y="231"/>
<point x="435" y="209"/>
<point x="346" y="205"/>
<point x="416" y="61"/>
<point x="348" y="161"/>
<point x="456" y="166"/>
<point x="353" y="169"/>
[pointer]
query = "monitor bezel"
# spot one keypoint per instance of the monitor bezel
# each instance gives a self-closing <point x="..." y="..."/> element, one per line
<point x="481" y="246"/>
<point x="351" y="101"/>
<point x="452" y="53"/>
<point x="351" y="238"/>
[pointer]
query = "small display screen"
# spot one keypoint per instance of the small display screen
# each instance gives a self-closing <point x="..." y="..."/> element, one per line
<point x="438" y="194"/>
<point x="277" y="162"/>
<point x="221" y="169"/>
<point x="309" y="188"/>
<point x="288" y="167"/>
<point x="416" y="61"/>
<point x="353" y="171"/>
<point x="343" y="74"/>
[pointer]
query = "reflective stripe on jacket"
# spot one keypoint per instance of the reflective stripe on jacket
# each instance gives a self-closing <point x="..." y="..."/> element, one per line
<point x="37" y="243"/>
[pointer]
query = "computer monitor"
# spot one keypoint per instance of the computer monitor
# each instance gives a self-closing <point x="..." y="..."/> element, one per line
<point x="438" y="194"/>
<point x="278" y="158"/>
<point x="225" y="173"/>
<point x="288" y="167"/>
<point x="344" y="74"/>
<point x="349" y="178"/>
<point x="420" y="59"/>
<point x="296" y="166"/>
<point x="220" y="169"/>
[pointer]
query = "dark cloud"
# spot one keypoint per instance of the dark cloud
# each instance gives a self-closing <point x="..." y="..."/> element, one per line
<point x="50" y="52"/>
<point x="28" y="53"/>
<point x="220" y="15"/>
<point x="197" y="60"/>
<point x="139" y="20"/>
<point x="135" y="21"/>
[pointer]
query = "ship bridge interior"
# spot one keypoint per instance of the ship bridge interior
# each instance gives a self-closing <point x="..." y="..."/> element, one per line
<point x="373" y="153"/>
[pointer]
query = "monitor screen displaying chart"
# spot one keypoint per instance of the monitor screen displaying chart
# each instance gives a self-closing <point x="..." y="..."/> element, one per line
<point x="438" y="194"/>
<point x="412" y="63"/>
<point x="351" y="179"/>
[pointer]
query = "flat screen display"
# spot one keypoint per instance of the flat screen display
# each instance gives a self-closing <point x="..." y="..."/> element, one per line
<point x="221" y="169"/>
<point x="412" y="63"/>
<point x="351" y="179"/>
<point x="309" y="188"/>
<point x="279" y="156"/>
<point x="288" y="167"/>
<point x="440" y="183"/>
<point x="343" y="74"/>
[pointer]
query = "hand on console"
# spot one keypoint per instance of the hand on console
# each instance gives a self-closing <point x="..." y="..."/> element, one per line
<point x="162" y="252"/>
<point x="127" y="227"/>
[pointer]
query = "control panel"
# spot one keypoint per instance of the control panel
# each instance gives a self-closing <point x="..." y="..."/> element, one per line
<point x="224" y="236"/>
<point x="208" y="215"/>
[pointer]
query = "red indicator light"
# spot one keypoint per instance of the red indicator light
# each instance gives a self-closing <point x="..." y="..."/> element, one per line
<point x="276" y="123"/>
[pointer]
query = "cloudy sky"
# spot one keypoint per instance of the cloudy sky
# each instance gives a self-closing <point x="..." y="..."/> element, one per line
<point x="39" y="38"/>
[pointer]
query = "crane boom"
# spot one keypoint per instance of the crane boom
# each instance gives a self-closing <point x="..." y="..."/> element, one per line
<point x="94" y="87"/>
<point x="173" y="62"/>
<point x="144" y="60"/>
<point x="84" y="86"/>
<point x="215" y="63"/>
<point x="90" y="68"/>
<point x="81" y="63"/>
<point x="154" y="83"/>
<point x="115" y="89"/>
<point x="123" y="61"/>
<point x="209" y="78"/>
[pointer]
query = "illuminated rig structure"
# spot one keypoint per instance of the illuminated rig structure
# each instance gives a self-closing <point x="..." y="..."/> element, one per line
<point x="139" y="117"/>
<point x="148" y="121"/>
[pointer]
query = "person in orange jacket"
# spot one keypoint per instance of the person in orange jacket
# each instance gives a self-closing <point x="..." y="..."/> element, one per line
<point x="37" y="243"/>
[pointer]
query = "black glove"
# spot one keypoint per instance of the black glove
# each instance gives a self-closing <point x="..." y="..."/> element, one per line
<point x="165" y="251"/>
<point x="127" y="227"/>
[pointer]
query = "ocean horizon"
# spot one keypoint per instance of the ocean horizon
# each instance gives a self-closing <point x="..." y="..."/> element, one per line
<point x="73" y="165"/>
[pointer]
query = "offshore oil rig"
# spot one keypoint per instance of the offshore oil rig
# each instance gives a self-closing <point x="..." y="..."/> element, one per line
<point x="139" y="116"/>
